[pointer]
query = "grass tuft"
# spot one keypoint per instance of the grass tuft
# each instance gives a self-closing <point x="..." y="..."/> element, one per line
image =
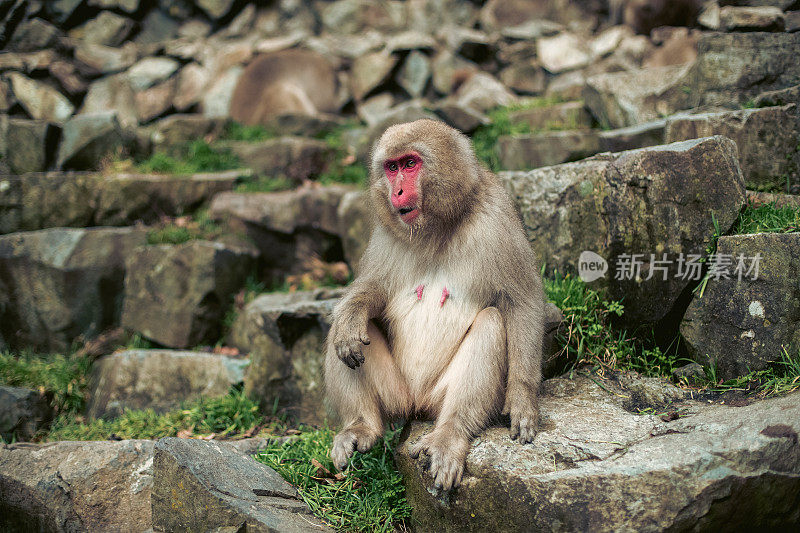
<point x="190" y="158"/>
<point x="780" y="377"/>
<point x="63" y="377"/>
<point x="767" y="218"/>
<point x="369" y="496"/>
<point x="199" y="226"/>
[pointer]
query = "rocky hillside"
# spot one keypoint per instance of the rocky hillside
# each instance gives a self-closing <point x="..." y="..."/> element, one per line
<point x="181" y="204"/>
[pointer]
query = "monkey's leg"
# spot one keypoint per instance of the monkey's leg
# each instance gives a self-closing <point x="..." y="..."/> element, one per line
<point x="470" y="392"/>
<point x="364" y="396"/>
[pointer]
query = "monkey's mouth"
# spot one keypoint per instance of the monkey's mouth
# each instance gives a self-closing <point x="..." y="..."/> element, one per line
<point x="405" y="210"/>
<point x="408" y="214"/>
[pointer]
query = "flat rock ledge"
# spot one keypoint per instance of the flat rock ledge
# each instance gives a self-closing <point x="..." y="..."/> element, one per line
<point x="598" y="466"/>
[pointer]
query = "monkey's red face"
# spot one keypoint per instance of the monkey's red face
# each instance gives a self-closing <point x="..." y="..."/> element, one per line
<point x="402" y="173"/>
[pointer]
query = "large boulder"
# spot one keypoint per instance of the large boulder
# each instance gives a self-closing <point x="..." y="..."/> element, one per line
<point x="749" y="310"/>
<point x="285" y="337"/>
<point x="159" y="379"/>
<point x="210" y="486"/>
<point x="41" y="101"/>
<point x="295" y="158"/>
<point x="767" y="140"/>
<point x="62" y="284"/>
<point x="355" y="226"/>
<point x="369" y="71"/>
<point x="28" y="145"/>
<point x="597" y="464"/>
<point x="288" y="227"/>
<point x="91" y="138"/>
<point x="23" y="412"/>
<point x="177" y="295"/>
<point x="653" y="201"/>
<point x="76" y="486"/>
<point x="288" y="81"/>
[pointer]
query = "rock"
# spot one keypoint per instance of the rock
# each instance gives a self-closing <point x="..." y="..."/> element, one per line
<point x="107" y="28"/>
<point x="690" y="373"/>
<point x="617" y="205"/>
<point x="483" y="92"/>
<point x="216" y="9"/>
<point x="23" y="412"/>
<point x="355" y="226"/>
<point x="470" y="44"/>
<point x="112" y="93"/>
<point x="218" y="95"/>
<point x="410" y="40"/>
<point x="567" y="86"/>
<point x="374" y="108"/>
<point x="156" y="27"/>
<point x="709" y="16"/>
<point x="68" y="77"/>
<point x="608" y="40"/>
<point x="746" y="317"/>
<point x="159" y="379"/>
<point x="176" y="295"/>
<point x="7" y="99"/>
<point x="181" y="128"/>
<point x="521" y="152"/>
<point x="64" y="283"/>
<point x="295" y="158"/>
<point x="88" y="139"/>
<point x="461" y="117"/>
<point x="763" y="18"/>
<point x="129" y="6"/>
<point x="288" y="81"/>
<point x="285" y="337"/>
<point x="562" y="52"/>
<point x="498" y="15"/>
<point x="677" y="47"/>
<point x="789" y="95"/>
<point x="151" y="70"/>
<point x="369" y="71"/>
<point x="38" y="201"/>
<point x="524" y="78"/>
<point x="767" y="139"/>
<point x="714" y="466"/>
<point x="414" y="74"/>
<point x="288" y="226"/>
<point x="192" y="80"/>
<point x="155" y="101"/>
<point x="450" y="70"/>
<point x="757" y="198"/>
<point x="76" y="486"/>
<point x="41" y="101"/>
<point x="35" y="34"/>
<point x="792" y="21"/>
<point x="62" y="10"/>
<point x="208" y="486"/>
<point x="29" y="144"/>
<point x="646" y="15"/>
<point x="627" y="98"/>
<point x="569" y="115"/>
<point x="354" y="16"/>
<point x="303" y="125"/>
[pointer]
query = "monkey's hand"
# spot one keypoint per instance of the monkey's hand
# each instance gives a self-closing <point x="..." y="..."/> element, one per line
<point x="348" y="338"/>
<point x="523" y="408"/>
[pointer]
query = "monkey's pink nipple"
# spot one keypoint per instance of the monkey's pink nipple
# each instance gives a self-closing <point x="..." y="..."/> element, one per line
<point x="419" y="290"/>
<point x="445" y="296"/>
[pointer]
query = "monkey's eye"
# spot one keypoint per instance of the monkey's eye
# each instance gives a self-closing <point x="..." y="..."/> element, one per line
<point x="410" y="163"/>
<point x="392" y="167"/>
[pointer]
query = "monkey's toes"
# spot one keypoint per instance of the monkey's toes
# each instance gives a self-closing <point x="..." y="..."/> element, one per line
<point x="524" y="430"/>
<point x="445" y="469"/>
<point x="344" y="444"/>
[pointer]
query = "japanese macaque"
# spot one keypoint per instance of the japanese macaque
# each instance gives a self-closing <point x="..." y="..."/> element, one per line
<point x="445" y="320"/>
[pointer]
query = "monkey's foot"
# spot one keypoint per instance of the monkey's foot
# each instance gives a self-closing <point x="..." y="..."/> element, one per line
<point x="443" y="455"/>
<point x="524" y="415"/>
<point x="348" y="440"/>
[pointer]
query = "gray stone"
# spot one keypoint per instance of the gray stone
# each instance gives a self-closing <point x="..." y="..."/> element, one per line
<point x="155" y="101"/>
<point x="150" y="71"/>
<point x="295" y="158"/>
<point x="216" y="9"/>
<point x="218" y="95"/>
<point x="483" y="92"/>
<point x="176" y="295"/>
<point x="355" y="226"/>
<point x="29" y="144"/>
<point x="740" y="325"/>
<point x="129" y="6"/>
<point x="41" y="101"/>
<point x="88" y="139"/>
<point x="107" y="28"/>
<point x="35" y="34"/>
<point x="176" y="129"/>
<point x="68" y="77"/>
<point x="792" y="21"/>
<point x="112" y="93"/>
<point x="23" y="412"/>
<point x="209" y="486"/>
<point x="62" y="10"/>
<point x="414" y="74"/>
<point x="353" y="16"/>
<point x="63" y="283"/>
<point x="460" y="117"/>
<point x="285" y="338"/>
<point x="525" y="78"/>
<point x="156" y="27"/>
<point x="192" y="80"/>
<point x="563" y="52"/>
<point x="657" y="200"/>
<point x="789" y="95"/>
<point x="449" y="71"/>
<point x="369" y="71"/>
<point x="767" y="139"/>
<point x="566" y="116"/>
<point x="595" y="466"/>
<point x="159" y="379"/>
<point x="632" y="137"/>
<point x="763" y="18"/>
<point x="76" y="486"/>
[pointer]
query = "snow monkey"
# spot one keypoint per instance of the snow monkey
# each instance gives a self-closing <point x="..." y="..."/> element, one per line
<point x="445" y="319"/>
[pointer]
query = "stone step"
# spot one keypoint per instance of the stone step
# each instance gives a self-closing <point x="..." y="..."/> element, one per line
<point x="522" y="152"/>
<point x="294" y="158"/>
<point x="564" y="116"/>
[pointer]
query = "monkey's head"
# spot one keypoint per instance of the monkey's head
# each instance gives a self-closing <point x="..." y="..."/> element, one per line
<point x="424" y="175"/>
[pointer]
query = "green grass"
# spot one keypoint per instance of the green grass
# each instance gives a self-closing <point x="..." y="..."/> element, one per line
<point x="369" y="496"/>
<point x="590" y="338"/>
<point x="239" y="132"/>
<point x="185" y="229"/>
<point x="767" y="219"/>
<point x="231" y="414"/>
<point x="190" y="158"/>
<point x="264" y="184"/>
<point x="780" y="377"/>
<point x="63" y="377"/>
<point x="345" y="167"/>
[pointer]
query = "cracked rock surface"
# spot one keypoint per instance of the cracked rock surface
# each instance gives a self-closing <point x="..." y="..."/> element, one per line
<point x="596" y="465"/>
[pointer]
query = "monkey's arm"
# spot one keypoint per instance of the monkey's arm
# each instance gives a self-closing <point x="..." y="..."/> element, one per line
<point x="524" y="330"/>
<point x="364" y="301"/>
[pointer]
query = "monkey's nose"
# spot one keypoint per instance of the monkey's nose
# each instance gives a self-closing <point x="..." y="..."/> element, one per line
<point x="399" y="193"/>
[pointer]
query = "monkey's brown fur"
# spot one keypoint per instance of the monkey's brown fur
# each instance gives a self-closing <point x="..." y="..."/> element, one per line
<point x="289" y="81"/>
<point x="458" y="362"/>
